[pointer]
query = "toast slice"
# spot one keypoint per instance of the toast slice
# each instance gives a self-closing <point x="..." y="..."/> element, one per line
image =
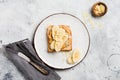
<point x="59" y="38"/>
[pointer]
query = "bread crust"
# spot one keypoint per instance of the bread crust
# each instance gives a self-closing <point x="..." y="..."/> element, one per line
<point x="67" y="46"/>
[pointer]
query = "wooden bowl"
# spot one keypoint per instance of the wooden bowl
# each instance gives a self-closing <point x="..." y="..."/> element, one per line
<point x="99" y="9"/>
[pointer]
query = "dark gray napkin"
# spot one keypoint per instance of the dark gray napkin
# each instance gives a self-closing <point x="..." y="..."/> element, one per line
<point x="27" y="70"/>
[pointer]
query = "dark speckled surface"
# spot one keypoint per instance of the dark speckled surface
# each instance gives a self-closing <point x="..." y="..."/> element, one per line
<point x="8" y="76"/>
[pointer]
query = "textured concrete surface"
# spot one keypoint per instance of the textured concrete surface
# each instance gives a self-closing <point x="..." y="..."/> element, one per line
<point x="19" y="18"/>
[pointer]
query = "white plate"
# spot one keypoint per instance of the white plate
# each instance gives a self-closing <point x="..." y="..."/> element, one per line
<point x="80" y="39"/>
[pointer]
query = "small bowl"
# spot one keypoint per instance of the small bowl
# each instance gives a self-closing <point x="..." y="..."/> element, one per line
<point x="99" y="9"/>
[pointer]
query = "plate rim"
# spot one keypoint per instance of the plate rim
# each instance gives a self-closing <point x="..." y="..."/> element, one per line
<point x="63" y="14"/>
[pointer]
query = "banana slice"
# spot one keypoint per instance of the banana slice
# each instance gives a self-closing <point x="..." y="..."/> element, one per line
<point x="52" y="45"/>
<point x="76" y="55"/>
<point x="57" y="33"/>
<point x="58" y="45"/>
<point x="65" y="37"/>
<point x="60" y="32"/>
<point x="61" y="38"/>
<point x="70" y="60"/>
<point x="54" y="30"/>
<point x="58" y="38"/>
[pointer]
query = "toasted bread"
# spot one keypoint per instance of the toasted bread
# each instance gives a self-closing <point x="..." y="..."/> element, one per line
<point x="62" y="45"/>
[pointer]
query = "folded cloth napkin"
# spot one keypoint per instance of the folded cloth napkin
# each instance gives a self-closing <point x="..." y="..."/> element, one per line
<point x="26" y="69"/>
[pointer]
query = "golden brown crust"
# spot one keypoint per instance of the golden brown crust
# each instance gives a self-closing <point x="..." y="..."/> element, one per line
<point x="49" y="37"/>
<point x="67" y="46"/>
